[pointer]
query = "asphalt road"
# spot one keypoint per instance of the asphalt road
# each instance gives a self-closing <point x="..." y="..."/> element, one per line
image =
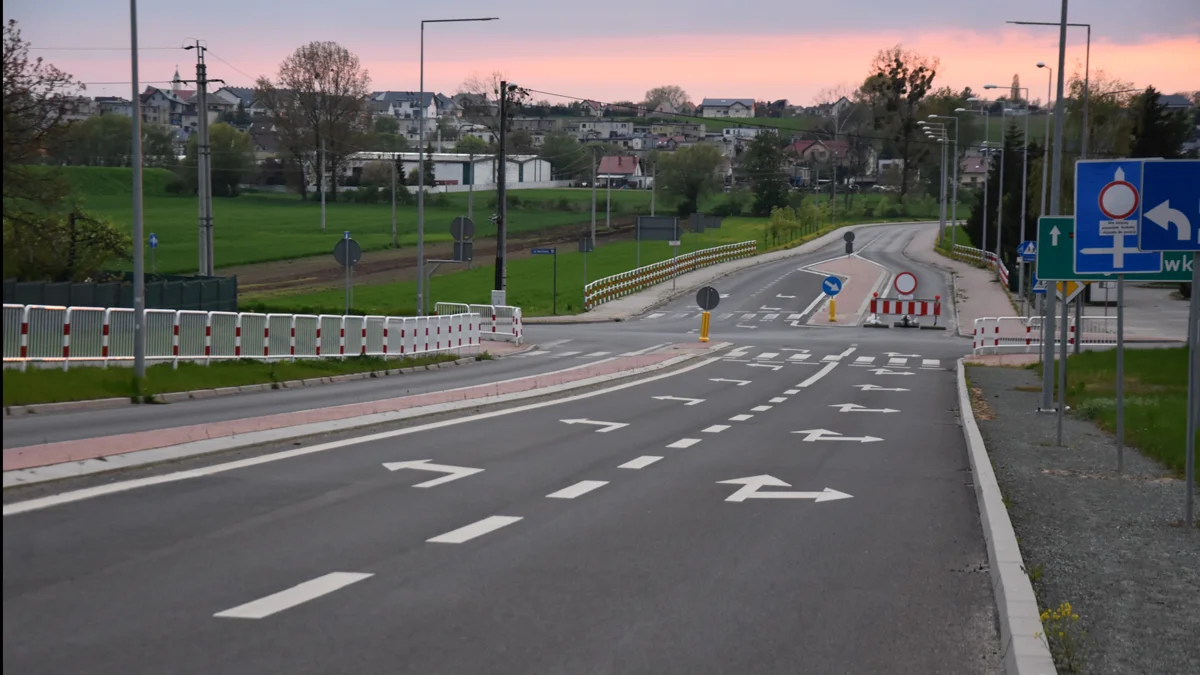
<point x="579" y="548"/>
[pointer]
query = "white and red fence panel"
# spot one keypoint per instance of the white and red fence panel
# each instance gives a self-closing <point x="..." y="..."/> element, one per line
<point x="906" y="307"/>
<point x="993" y="335"/>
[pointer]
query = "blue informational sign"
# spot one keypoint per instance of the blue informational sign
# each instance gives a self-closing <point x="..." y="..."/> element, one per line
<point x="1028" y="251"/>
<point x="1038" y="286"/>
<point x="1170" y="205"/>
<point x="153" y="240"/>
<point x="832" y="286"/>
<point x="1107" y="205"/>
<point x="543" y="251"/>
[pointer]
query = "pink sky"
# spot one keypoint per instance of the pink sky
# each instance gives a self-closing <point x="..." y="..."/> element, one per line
<point x="795" y="67"/>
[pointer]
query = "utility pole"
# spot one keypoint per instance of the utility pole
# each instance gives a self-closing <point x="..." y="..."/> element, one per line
<point x="204" y="149"/>
<point x="608" y="201"/>
<point x="1055" y="201"/>
<point x="395" y="237"/>
<point x="653" y="185"/>
<point x="501" y="193"/>
<point x="593" y="196"/>
<point x="139" y="247"/>
<point x="471" y="188"/>
<point x="322" y="184"/>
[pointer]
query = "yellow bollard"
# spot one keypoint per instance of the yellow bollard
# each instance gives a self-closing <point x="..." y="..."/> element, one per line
<point x="832" y="310"/>
<point x="704" y="319"/>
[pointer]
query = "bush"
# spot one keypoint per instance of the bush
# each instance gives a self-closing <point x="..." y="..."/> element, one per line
<point x="174" y="185"/>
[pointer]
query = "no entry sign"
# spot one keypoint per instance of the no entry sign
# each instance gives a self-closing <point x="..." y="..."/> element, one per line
<point x="905" y="283"/>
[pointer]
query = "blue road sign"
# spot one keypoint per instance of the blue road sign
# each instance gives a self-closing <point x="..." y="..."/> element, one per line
<point x="153" y="240"/>
<point x="543" y="251"/>
<point x="1038" y="287"/>
<point x="1106" y="219"/>
<point x="1170" y="207"/>
<point x="832" y="286"/>
<point x="1028" y="251"/>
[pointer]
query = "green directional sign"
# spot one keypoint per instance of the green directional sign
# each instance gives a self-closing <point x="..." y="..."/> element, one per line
<point x="1056" y="256"/>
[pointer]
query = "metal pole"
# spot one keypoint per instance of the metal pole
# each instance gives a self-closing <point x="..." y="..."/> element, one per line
<point x="954" y="191"/>
<point x="206" y="148"/>
<point x="395" y="236"/>
<point x="1062" y="366"/>
<point x="1056" y="178"/>
<point x="608" y="201"/>
<point x="346" y="237"/>
<point x="421" y="184"/>
<point x="1087" y="67"/>
<point x="502" y="191"/>
<point x="1000" y="199"/>
<point x="593" y="195"/>
<point x="1189" y="487"/>
<point x="554" y="285"/>
<point x="322" y="184"/>
<point x="1079" y="321"/>
<point x="139" y="251"/>
<point x="1024" y="191"/>
<point x="653" y="186"/>
<point x="942" y="197"/>
<point x="471" y="189"/>
<point x="987" y="134"/>
<point x="201" y="188"/>
<point x="1046" y="143"/>
<point x="1048" y="347"/>
<point x="1121" y="372"/>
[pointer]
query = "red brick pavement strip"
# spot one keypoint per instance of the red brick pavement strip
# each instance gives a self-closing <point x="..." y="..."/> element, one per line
<point x="861" y="278"/>
<point x="91" y="448"/>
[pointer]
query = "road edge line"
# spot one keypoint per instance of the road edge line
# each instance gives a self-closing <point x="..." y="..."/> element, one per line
<point x="1023" y="647"/>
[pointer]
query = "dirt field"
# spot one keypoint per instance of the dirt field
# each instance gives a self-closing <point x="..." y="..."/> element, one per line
<point x="392" y="265"/>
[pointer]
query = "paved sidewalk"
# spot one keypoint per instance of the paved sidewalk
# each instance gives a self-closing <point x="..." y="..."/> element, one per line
<point x="977" y="292"/>
<point x="860" y="278"/>
<point x="632" y="305"/>
<point x="107" y="446"/>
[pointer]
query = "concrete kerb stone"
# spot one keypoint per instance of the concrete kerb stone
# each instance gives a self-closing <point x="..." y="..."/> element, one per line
<point x="1022" y="644"/>
<point x="197" y="394"/>
<point x="691" y="281"/>
<point x="74" y="469"/>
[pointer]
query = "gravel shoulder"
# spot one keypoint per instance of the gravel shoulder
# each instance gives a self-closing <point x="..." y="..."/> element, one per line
<point x="1113" y="546"/>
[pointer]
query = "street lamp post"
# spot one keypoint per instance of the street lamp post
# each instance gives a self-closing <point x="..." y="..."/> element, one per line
<point x="936" y="131"/>
<point x="139" y="251"/>
<point x="1087" y="69"/>
<point x="954" y="189"/>
<point x="1046" y="140"/>
<point x="421" y="162"/>
<point x="987" y="134"/>
<point x="1024" y="184"/>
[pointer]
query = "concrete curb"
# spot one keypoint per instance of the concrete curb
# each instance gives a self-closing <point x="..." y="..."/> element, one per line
<point x="74" y="469"/>
<point x="735" y="267"/>
<point x="197" y="394"/>
<point x="1022" y="650"/>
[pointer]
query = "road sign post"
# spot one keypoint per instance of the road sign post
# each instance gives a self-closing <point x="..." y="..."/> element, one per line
<point x="707" y="298"/>
<point x="153" y="246"/>
<point x="552" y="252"/>
<point x="586" y="244"/>
<point x="831" y="286"/>
<point x="347" y="253"/>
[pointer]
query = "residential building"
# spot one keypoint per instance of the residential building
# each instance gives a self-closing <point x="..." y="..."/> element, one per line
<point x="665" y="108"/>
<point x="535" y="124"/>
<point x="247" y="97"/>
<point x="1176" y="101"/>
<point x="457" y="169"/>
<point x="404" y="104"/>
<point x="740" y="132"/>
<point x="78" y="108"/>
<point x="592" y="108"/>
<point x="598" y="129"/>
<point x="727" y="107"/>
<point x="693" y="131"/>
<point x="821" y="152"/>
<point x="114" y="105"/>
<point x="970" y="173"/>
<point x="620" y="169"/>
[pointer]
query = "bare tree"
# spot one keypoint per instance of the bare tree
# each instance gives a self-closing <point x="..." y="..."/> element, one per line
<point x="898" y="81"/>
<point x="320" y="95"/>
<point x="668" y="93"/>
<point x="480" y="100"/>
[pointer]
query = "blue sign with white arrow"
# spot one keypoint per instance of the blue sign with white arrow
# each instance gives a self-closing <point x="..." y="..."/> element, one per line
<point x="832" y="286"/>
<point x="1028" y="251"/>
<point x="153" y="240"/>
<point x="1170" y="205"/>
<point x="1107" y="205"/>
<point x="543" y="251"/>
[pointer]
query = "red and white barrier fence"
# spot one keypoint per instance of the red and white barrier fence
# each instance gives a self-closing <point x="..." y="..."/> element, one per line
<point x="91" y="335"/>
<point x="993" y="335"/>
<point x="497" y="322"/>
<point x="909" y="307"/>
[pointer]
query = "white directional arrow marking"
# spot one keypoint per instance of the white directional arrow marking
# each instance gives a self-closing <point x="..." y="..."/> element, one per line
<point x="752" y="484"/>
<point x="885" y="371"/>
<point x="1054" y="232"/>
<point x="1163" y="215"/>
<point x="785" y="297"/>
<point x="813" y="435"/>
<point x="902" y="356"/>
<point x="875" y="387"/>
<point x="687" y="401"/>
<point x="854" y="407"/>
<point x="764" y="308"/>
<point x="750" y="327"/>
<point x="740" y="383"/>
<point x="724" y="295"/>
<point x="454" y="472"/>
<point x="764" y="365"/>
<point x="608" y="426"/>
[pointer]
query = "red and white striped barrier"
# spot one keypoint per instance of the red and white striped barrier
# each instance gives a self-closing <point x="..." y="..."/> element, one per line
<point x="997" y="334"/>
<point x="897" y="306"/>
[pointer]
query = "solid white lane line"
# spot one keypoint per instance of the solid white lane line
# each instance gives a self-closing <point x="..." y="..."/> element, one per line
<point x="716" y="429"/>
<point x="565" y="354"/>
<point x="581" y="488"/>
<point x="761" y="408"/>
<point x="684" y="443"/>
<point x="740" y="418"/>
<point x="817" y="375"/>
<point x="476" y="529"/>
<point x="778" y="399"/>
<point x="296" y="595"/>
<point x="792" y="392"/>
<point x="848" y="352"/>
<point x="817" y="300"/>
<point x="767" y="356"/>
<point x="595" y="355"/>
<point x="640" y="462"/>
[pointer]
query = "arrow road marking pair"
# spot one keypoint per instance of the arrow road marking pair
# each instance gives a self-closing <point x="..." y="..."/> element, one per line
<point x="885" y="371"/>
<point x="453" y="472"/>
<point x="814" y="435"/>
<point x="751" y="486"/>
<point x="608" y="426"/>
<point x="854" y="407"/>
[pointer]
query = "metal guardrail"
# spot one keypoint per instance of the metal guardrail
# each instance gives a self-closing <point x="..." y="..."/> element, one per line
<point x="996" y="334"/>
<point x="616" y="286"/>
<point x="91" y="335"/>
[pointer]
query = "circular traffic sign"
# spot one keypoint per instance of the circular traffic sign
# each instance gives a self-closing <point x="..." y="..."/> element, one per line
<point x="831" y="286"/>
<point x="347" y="252"/>
<point x="462" y="228"/>
<point x="905" y="283"/>
<point x="849" y="237"/>
<point x="1118" y="200"/>
<point x="708" y="298"/>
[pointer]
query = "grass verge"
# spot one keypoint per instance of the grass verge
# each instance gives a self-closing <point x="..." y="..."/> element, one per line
<point x="43" y="385"/>
<point x="1155" y="398"/>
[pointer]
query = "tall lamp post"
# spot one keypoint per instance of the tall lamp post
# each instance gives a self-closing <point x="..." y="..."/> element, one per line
<point x="1024" y="183"/>
<point x="986" y="152"/>
<point x="421" y="162"/>
<point x="1087" y="68"/>
<point x="936" y="131"/>
<point x="954" y="189"/>
<point x="1046" y="140"/>
<point x="139" y="250"/>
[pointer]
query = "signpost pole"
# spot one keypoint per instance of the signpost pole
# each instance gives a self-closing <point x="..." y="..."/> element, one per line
<point x="554" y="285"/>
<point x="1189" y="507"/>
<point x="346" y="236"/>
<point x="1120" y="373"/>
<point x="1062" y="365"/>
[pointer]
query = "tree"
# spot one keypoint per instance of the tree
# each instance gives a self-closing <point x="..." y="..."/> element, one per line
<point x="447" y="130"/>
<point x="898" y="81"/>
<point x="386" y="124"/>
<point x="70" y="246"/>
<point x="521" y="143"/>
<point x="385" y="143"/>
<point x="568" y="159"/>
<point x="377" y="173"/>
<point x="481" y="103"/>
<point x="232" y="159"/>
<point x="690" y="173"/>
<point x="471" y="145"/>
<point x="320" y="94"/>
<point x="106" y="140"/>
<point x="158" y="144"/>
<point x="763" y="164"/>
<point x="668" y="93"/>
<point x="1157" y="132"/>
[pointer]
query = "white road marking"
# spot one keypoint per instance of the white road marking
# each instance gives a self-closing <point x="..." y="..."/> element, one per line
<point x="748" y="317"/>
<point x="127" y="485"/>
<point x="715" y="429"/>
<point x="740" y="351"/>
<point x="647" y="350"/>
<point x="794" y="317"/>
<point x="581" y="488"/>
<point x="640" y="463"/>
<point x="785" y="297"/>
<point x="555" y="343"/>
<point x="792" y="392"/>
<point x="684" y="443"/>
<point x="476" y="529"/>
<point x="764" y="308"/>
<point x="740" y="383"/>
<point x="769" y="317"/>
<point x="799" y="357"/>
<point x="723" y="317"/>
<point x="897" y="361"/>
<point x="740" y="418"/>
<point x="793" y="349"/>
<point x="931" y="363"/>
<point x="812" y="305"/>
<point x="761" y="408"/>
<point x="682" y="315"/>
<point x="865" y="360"/>
<point x="296" y="595"/>
<point x="832" y="358"/>
<point x="654" y="315"/>
<point x="767" y="356"/>
<point x="778" y="399"/>
<point x="744" y="326"/>
<point x="817" y="375"/>
<point x="595" y="355"/>
<point x="848" y="352"/>
<point x="565" y="354"/>
<point x="536" y="352"/>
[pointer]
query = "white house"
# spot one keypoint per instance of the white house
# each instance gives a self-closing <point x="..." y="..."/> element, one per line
<point x="727" y="107"/>
<point x="114" y="105"/>
<point x="247" y="97"/>
<point x="730" y="133"/>
<point x="404" y="104"/>
<point x="456" y="169"/>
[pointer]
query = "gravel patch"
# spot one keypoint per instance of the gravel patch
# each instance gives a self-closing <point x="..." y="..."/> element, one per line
<point x="1113" y="546"/>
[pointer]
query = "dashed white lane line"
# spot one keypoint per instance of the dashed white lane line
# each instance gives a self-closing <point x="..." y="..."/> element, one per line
<point x="761" y="408"/>
<point x="724" y="317"/>
<point x="640" y="462"/>
<point x="792" y="392"/>
<point x="595" y="355"/>
<point x="654" y="315"/>
<point x="767" y="356"/>
<point x="296" y="595"/>
<point x="684" y="443"/>
<point x="715" y="429"/>
<point x="778" y="399"/>
<point x="740" y="418"/>
<point x="476" y="529"/>
<point x="581" y="488"/>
